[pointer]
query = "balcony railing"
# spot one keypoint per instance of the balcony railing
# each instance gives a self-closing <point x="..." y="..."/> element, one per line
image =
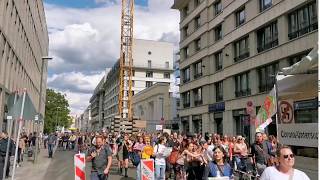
<point x="242" y="56"/>
<point x="198" y="102"/>
<point x="302" y="31"/>
<point x="185" y="105"/>
<point x="219" y="98"/>
<point x="266" y="46"/>
<point x="244" y="92"/>
<point x="186" y="80"/>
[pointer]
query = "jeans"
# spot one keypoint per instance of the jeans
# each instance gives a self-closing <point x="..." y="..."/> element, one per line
<point x="160" y="172"/>
<point x="97" y="176"/>
<point x="138" y="171"/>
<point x="50" y="149"/>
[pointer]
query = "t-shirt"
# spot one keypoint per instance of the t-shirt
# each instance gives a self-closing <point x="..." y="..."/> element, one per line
<point x="157" y="150"/>
<point x="271" y="173"/>
<point x="99" y="163"/>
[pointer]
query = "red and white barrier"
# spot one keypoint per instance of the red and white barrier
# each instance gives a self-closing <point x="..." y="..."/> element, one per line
<point x="80" y="166"/>
<point x="147" y="169"/>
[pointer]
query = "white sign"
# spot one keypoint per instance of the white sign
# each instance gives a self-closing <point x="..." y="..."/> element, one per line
<point x="158" y="127"/>
<point x="305" y="134"/>
<point x="9" y="117"/>
<point x="286" y="112"/>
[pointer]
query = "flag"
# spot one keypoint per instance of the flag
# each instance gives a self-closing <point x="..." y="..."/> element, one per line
<point x="266" y="111"/>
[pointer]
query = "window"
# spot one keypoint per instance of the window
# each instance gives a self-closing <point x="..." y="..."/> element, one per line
<point x="219" y="91"/>
<point x="197" y="22"/>
<point x="186" y="99"/>
<point x="241" y="121"/>
<point x="148" y="84"/>
<point x="185" y="31"/>
<point x="297" y="58"/>
<point x="197" y="3"/>
<point x="185" y="11"/>
<point x="166" y="75"/>
<point x="218" y="32"/>
<point x="198" y="69"/>
<point x="267" y="77"/>
<point x="217" y="7"/>
<point x="242" y="85"/>
<point x="133" y="72"/>
<point x="197" y="96"/>
<point x="267" y="37"/>
<point x="197" y="44"/>
<point x="303" y="20"/>
<point x="240" y="17"/>
<point x="241" y="48"/>
<point x="186" y="51"/>
<point x="149" y="74"/>
<point x="186" y="74"/>
<point x="306" y="111"/>
<point x="265" y="4"/>
<point x="167" y="64"/>
<point x="149" y="63"/>
<point x="218" y="60"/>
<point x="197" y="123"/>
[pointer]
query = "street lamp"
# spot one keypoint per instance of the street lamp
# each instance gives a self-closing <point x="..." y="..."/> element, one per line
<point x="44" y="60"/>
<point x="162" y="120"/>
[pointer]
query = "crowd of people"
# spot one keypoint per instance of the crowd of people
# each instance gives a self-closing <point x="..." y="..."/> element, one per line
<point x="181" y="157"/>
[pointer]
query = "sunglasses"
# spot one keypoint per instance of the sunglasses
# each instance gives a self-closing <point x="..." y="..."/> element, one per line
<point x="287" y="156"/>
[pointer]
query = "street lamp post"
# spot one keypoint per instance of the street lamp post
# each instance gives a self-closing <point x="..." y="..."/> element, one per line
<point x="162" y="119"/>
<point x="44" y="60"/>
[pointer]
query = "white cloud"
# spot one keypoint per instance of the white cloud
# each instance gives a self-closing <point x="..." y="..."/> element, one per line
<point x="83" y="42"/>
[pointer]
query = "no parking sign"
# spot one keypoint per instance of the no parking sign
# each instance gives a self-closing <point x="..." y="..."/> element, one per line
<point x="147" y="169"/>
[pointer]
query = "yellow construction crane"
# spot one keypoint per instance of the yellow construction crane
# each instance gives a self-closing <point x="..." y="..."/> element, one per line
<point x="125" y="74"/>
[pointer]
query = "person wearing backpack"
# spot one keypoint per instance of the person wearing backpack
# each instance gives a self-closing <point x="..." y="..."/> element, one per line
<point x="160" y="160"/>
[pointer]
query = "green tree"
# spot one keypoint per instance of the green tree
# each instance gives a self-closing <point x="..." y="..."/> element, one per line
<point x="57" y="111"/>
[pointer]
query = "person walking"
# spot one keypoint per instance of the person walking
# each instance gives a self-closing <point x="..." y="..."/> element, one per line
<point x="52" y="139"/>
<point x="101" y="157"/>
<point x="285" y="168"/>
<point x="160" y="161"/>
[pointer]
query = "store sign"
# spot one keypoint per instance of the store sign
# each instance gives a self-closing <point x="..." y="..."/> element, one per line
<point x="217" y="107"/>
<point x="286" y="111"/>
<point x="305" y="134"/>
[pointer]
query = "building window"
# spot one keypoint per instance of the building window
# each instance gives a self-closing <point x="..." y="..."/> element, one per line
<point x="241" y="49"/>
<point x="197" y="21"/>
<point x="186" y="99"/>
<point x="197" y="123"/>
<point x="166" y="75"/>
<point x="167" y="64"/>
<point x="197" y="44"/>
<point x="217" y="7"/>
<point x="185" y="31"/>
<point x="267" y="37"/>
<point x="197" y="96"/>
<point x="297" y="58"/>
<point x="197" y="69"/>
<point x="242" y="123"/>
<point x="149" y="74"/>
<point x="242" y="85"/>
<point x="186" y="75"/>
<point x="148" y="84"/>
<point x="218" y="60"/>
<point x="185" y="11"/>
<point x="218" y="32"/>
<point x="267" y="77"/>
<point x="133" y="72"/>
<point x="303" y="20"/>
<point x="149" y="63"/>
<point x="240" y="17"/>
<point x="265" y="4"/>
<point x="186" y="51"/>
<point x="219" y="91"/>
<point x="197" y="3"/>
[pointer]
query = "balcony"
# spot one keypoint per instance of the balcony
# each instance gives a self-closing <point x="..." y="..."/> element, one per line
<point x="198" y="102"/>
<point x="196" y="76"/>
<point x="302" y="31"/>
<point x="244" y="92"/>
<point x="242" y="56"/>
<point x="266" y="46"/>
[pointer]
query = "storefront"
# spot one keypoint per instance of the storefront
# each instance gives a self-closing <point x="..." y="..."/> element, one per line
<point x="216" y="111"/>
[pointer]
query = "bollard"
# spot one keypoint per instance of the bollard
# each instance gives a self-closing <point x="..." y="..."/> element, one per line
<point x="79" y="166"/>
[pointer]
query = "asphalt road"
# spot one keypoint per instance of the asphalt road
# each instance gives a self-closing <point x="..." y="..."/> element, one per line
<point x="62" y="168"/>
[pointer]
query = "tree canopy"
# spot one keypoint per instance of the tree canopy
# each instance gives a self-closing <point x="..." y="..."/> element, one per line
<point x="57" y="111"/>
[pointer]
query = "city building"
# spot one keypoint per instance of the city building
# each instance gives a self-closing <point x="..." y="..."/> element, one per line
<point x="24" y="45"/>
<point x="157" y="106"/>
<point x="230" y="52"/>
<point x="152" y="63"/>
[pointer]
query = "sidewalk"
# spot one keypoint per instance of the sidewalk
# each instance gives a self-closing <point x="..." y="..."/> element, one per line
<point x="29" y="170"/>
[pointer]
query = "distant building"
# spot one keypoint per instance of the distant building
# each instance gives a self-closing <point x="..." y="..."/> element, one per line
<point x="23" y="43"/>
<point x="152" y="63"/>
<point x="157" y="106"/>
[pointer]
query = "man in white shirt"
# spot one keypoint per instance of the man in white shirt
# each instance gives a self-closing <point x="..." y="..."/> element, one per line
<point x="285" y="169"/>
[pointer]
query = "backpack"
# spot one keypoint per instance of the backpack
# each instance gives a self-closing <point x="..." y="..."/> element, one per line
<point x="135" y="158"/>
<point x="173" y="157"/>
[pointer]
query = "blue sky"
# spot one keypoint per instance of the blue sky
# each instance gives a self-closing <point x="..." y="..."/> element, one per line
<point x="87" y="3"/>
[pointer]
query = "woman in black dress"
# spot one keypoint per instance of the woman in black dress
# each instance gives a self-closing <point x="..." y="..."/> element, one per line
<point x="127" y="147"/>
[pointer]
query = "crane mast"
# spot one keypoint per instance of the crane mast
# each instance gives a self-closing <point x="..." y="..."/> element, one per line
<point x="125" y="75"/>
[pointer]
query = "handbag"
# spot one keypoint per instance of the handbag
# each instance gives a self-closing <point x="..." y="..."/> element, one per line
<point x="173" y="157"/>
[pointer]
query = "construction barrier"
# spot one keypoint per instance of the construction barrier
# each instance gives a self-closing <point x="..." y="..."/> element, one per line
<point x="147" y="169"/>
<point x="80" y="166"/>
